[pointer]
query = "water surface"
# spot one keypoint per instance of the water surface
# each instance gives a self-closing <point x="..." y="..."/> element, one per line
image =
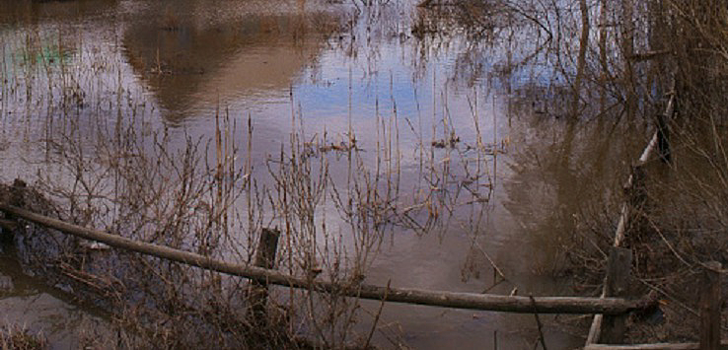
<point x="318" y="68"/>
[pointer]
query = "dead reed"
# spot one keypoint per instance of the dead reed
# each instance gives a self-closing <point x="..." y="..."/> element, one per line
<point x="19" y="338"/>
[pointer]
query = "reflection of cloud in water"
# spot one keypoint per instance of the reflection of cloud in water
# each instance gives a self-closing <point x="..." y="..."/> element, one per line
<point x="190" y="63"/>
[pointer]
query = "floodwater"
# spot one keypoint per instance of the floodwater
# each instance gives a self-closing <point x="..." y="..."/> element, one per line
<point x="48" y="310"/>
<point x="318" y="67"/>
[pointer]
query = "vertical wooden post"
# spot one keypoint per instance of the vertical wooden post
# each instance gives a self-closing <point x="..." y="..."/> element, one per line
<point x="265" y="257"/>
<point x="17" y="198"/>
<point x="617" y="283"/>
<point x="710" y="302"/>
<point x="17" y="192"/>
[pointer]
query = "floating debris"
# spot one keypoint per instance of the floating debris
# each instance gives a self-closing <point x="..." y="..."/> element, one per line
<point x="451" y="142"/>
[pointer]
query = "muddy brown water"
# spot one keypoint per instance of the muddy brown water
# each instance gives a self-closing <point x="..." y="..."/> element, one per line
<point x="178" y="63"/>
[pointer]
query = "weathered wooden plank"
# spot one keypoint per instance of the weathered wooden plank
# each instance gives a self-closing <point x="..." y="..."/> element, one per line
<point x="710" y="307"/>
<point x="655" y="346"/>
<point x="265" y="257"/>
<point x="617" y="285"/>
<point x="616" y="281"/>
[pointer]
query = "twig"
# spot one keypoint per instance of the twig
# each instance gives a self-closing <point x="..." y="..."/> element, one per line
<point x="538" y="322"/>
<point x="376" y="317"/>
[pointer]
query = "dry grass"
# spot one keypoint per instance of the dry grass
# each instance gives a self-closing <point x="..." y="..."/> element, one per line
<point x="164" y="186"/>
<point x="13" y="337"/>
<point x="616" y="61"/>
<point x="335" y="198"/>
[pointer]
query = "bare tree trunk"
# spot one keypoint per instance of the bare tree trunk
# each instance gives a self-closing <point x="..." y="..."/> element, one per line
<point x="581" y="60"/>
<point x="628" y="31"/>
<point x="603" y="53"/>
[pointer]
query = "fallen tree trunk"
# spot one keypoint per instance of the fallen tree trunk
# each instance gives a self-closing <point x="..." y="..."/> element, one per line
<point x="486" y="302"/>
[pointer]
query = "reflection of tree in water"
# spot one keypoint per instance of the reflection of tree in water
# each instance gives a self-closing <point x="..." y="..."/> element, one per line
<point x="559" y="170"/>
<point x="41" y="47"/>
<point x="187" y="60"/>
<point x="581" y="91"/>
<point x="579" y="44"/>
<point x="14" y="12"/>
<point x="485" y="37"/>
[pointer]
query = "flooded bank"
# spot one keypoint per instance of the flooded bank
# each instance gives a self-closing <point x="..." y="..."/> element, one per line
<point x="390" y="143"/>
<point x="50" y="312"/>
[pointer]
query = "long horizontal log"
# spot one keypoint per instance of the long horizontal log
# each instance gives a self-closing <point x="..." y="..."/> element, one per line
<point x="655" y="346"/>
<point x="487" y="302"/>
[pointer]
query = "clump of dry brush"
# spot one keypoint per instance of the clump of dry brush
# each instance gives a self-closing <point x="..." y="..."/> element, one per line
<point x="19" y="338"/>
<point x="680" y="222"/>
<point x="165" y="187"/>
<point x="332" y="202"/>
<point x="618" y="61"/>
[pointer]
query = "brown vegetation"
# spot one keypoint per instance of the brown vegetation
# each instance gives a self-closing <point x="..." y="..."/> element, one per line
<point x="18" y="338"/>
<point x="613" y="63"/>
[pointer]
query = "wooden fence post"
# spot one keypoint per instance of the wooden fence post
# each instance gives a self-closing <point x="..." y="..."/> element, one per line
<point x="265" y="257"/>
<point x="617" y="282"/>
<point x="710" y="307"/>
<point x="16" y="198"/>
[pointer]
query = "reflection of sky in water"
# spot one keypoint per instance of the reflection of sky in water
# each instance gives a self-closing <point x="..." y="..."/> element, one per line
<point x="330" y="97"/>
<point x="326" y="94"/>
<point x="382" y="71"/>
<point x="323" y="92"/>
